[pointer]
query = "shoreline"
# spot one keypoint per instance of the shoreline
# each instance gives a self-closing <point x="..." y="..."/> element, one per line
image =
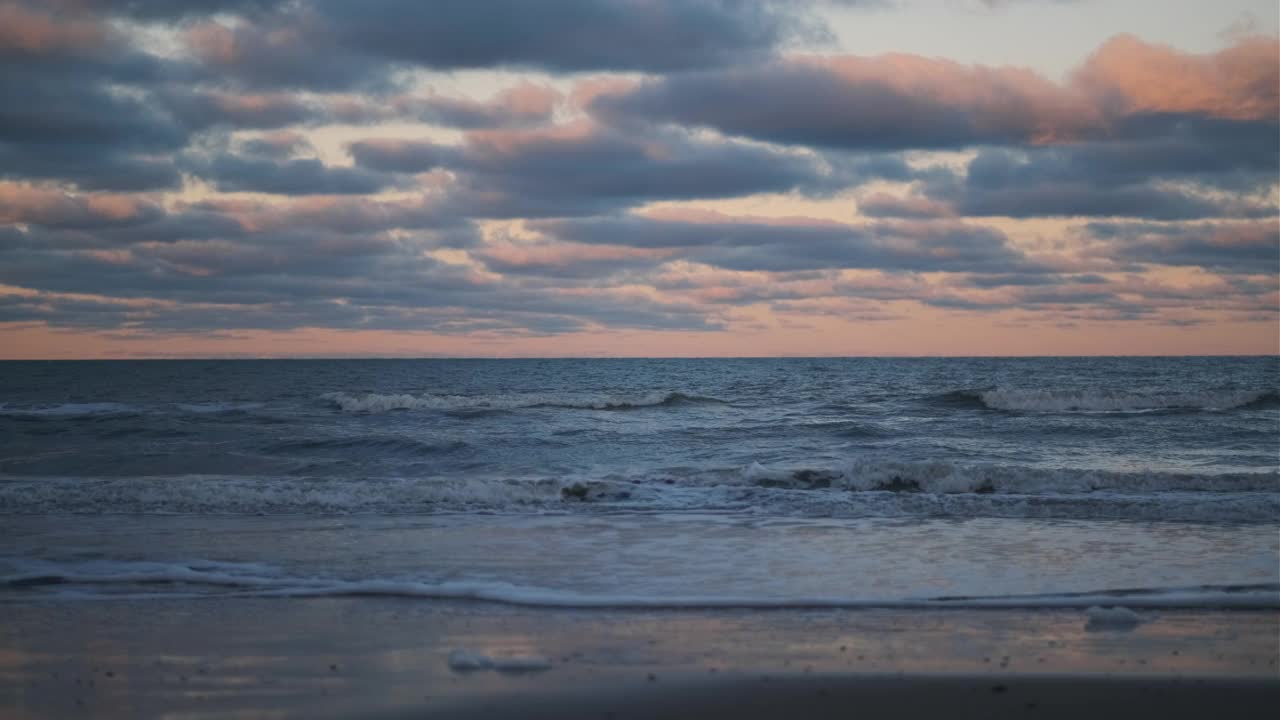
<point x="394" y="657"/>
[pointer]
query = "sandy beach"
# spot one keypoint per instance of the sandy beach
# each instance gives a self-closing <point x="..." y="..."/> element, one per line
<point x="372" y="657"/>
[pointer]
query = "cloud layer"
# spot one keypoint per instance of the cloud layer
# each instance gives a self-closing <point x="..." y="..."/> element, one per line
<point x="503" y="172"/>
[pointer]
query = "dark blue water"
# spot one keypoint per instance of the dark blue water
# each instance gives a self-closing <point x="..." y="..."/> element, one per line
<point x="1152" y="438"/>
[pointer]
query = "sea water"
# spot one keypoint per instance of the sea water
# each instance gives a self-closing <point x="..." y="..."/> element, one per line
<point x="1146" y="482"/>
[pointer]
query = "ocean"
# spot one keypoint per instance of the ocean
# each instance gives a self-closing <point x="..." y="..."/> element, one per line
<point x="770" y="483"/>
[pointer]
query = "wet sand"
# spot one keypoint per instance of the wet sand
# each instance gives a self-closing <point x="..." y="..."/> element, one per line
<point x="383" y="657"/>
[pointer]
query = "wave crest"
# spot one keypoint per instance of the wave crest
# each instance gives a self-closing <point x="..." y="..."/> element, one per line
<point x="205" y="577"/>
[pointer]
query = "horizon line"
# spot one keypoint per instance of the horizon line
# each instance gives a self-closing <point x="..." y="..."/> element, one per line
<point x="626" y="357"/>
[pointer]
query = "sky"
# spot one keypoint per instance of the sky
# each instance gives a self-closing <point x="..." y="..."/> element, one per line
<point x="265" y="178"/>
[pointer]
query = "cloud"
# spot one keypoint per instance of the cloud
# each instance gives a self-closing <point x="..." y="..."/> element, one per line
<point x="568" y="260"/>
<point x="1242" y="82"/>
<point x="278" y="145"/>
<point x="522" y="105"/>
<point x="174" y="9"/>
<point x="565" y="203"/>
<point x="880" y="103"/>
<point x="754" y="244"/>
<point x="59" y="221"/>
<point x="1159" y="167"/>
<point x="883" y="204"/>
<point x="297" y="280"/>
<point x="904" y="101"/>
<point x="201" y="110"/>
<point x="1251" y="248"/>
<point x="27" y="204"/>
<point x="68" y="106"/>
<point x="557" y="35"/>
<point x="306" y="176"/>
<point x="403" y="156"/>
<point x="582" y="168"/>
<point x="27" y="32"/>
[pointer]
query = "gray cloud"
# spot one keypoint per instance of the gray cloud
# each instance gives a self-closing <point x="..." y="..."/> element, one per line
<point x="375" y="286"/>
<point x="801" y="105"/>
<point x="1248" y="248"/>
<point x="403" y="156"/>
<point x="363" y="42"/>
<point x="1124" y="177"/>
<point x="746" y="245"/>
<point x="235" y="173"/>
<point x="586" y="170"/>
<point x="174" y="9"/>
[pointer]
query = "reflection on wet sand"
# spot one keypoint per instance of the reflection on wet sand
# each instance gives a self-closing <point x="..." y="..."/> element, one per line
<point x="353" y="656"/>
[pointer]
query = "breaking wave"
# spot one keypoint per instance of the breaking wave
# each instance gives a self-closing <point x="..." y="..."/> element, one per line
<point x="141" y="579"/>
<point x="1108" y="401"/>
<point x="379" y="403"/>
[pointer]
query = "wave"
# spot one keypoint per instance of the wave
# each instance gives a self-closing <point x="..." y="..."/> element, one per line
<point x="861" y="489"/>
<point x="70" y="410"/>
<point x="375" y="443"/>
<point x="1108" y="401"/>
<point x="109" y="410"/>
<point x="369" y="403"/>
<point x="940" y="477"/>
<point x="207" y="408"/>
<point x="211" y="578"/>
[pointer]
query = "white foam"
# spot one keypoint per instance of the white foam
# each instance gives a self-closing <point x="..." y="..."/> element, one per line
<point x="757" y="473"/>
<point x="463" y="660"/>
<point x="1096" y="400"/>
<point x="1111" y="618"/>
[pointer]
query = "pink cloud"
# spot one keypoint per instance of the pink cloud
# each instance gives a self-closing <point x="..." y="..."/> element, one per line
<point x="26" y="31"/>
<point x="1241" y="82"/>
<point x="528" y="98"/>
<point x="344" y="214"/>
<point x="998" y="100"/>
<point x="503" y="142"/>
<point x="22" y="203"/>
<point x="214" y="42"/>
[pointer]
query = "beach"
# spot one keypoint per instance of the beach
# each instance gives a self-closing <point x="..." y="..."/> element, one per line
<point x="380" y="657"/>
